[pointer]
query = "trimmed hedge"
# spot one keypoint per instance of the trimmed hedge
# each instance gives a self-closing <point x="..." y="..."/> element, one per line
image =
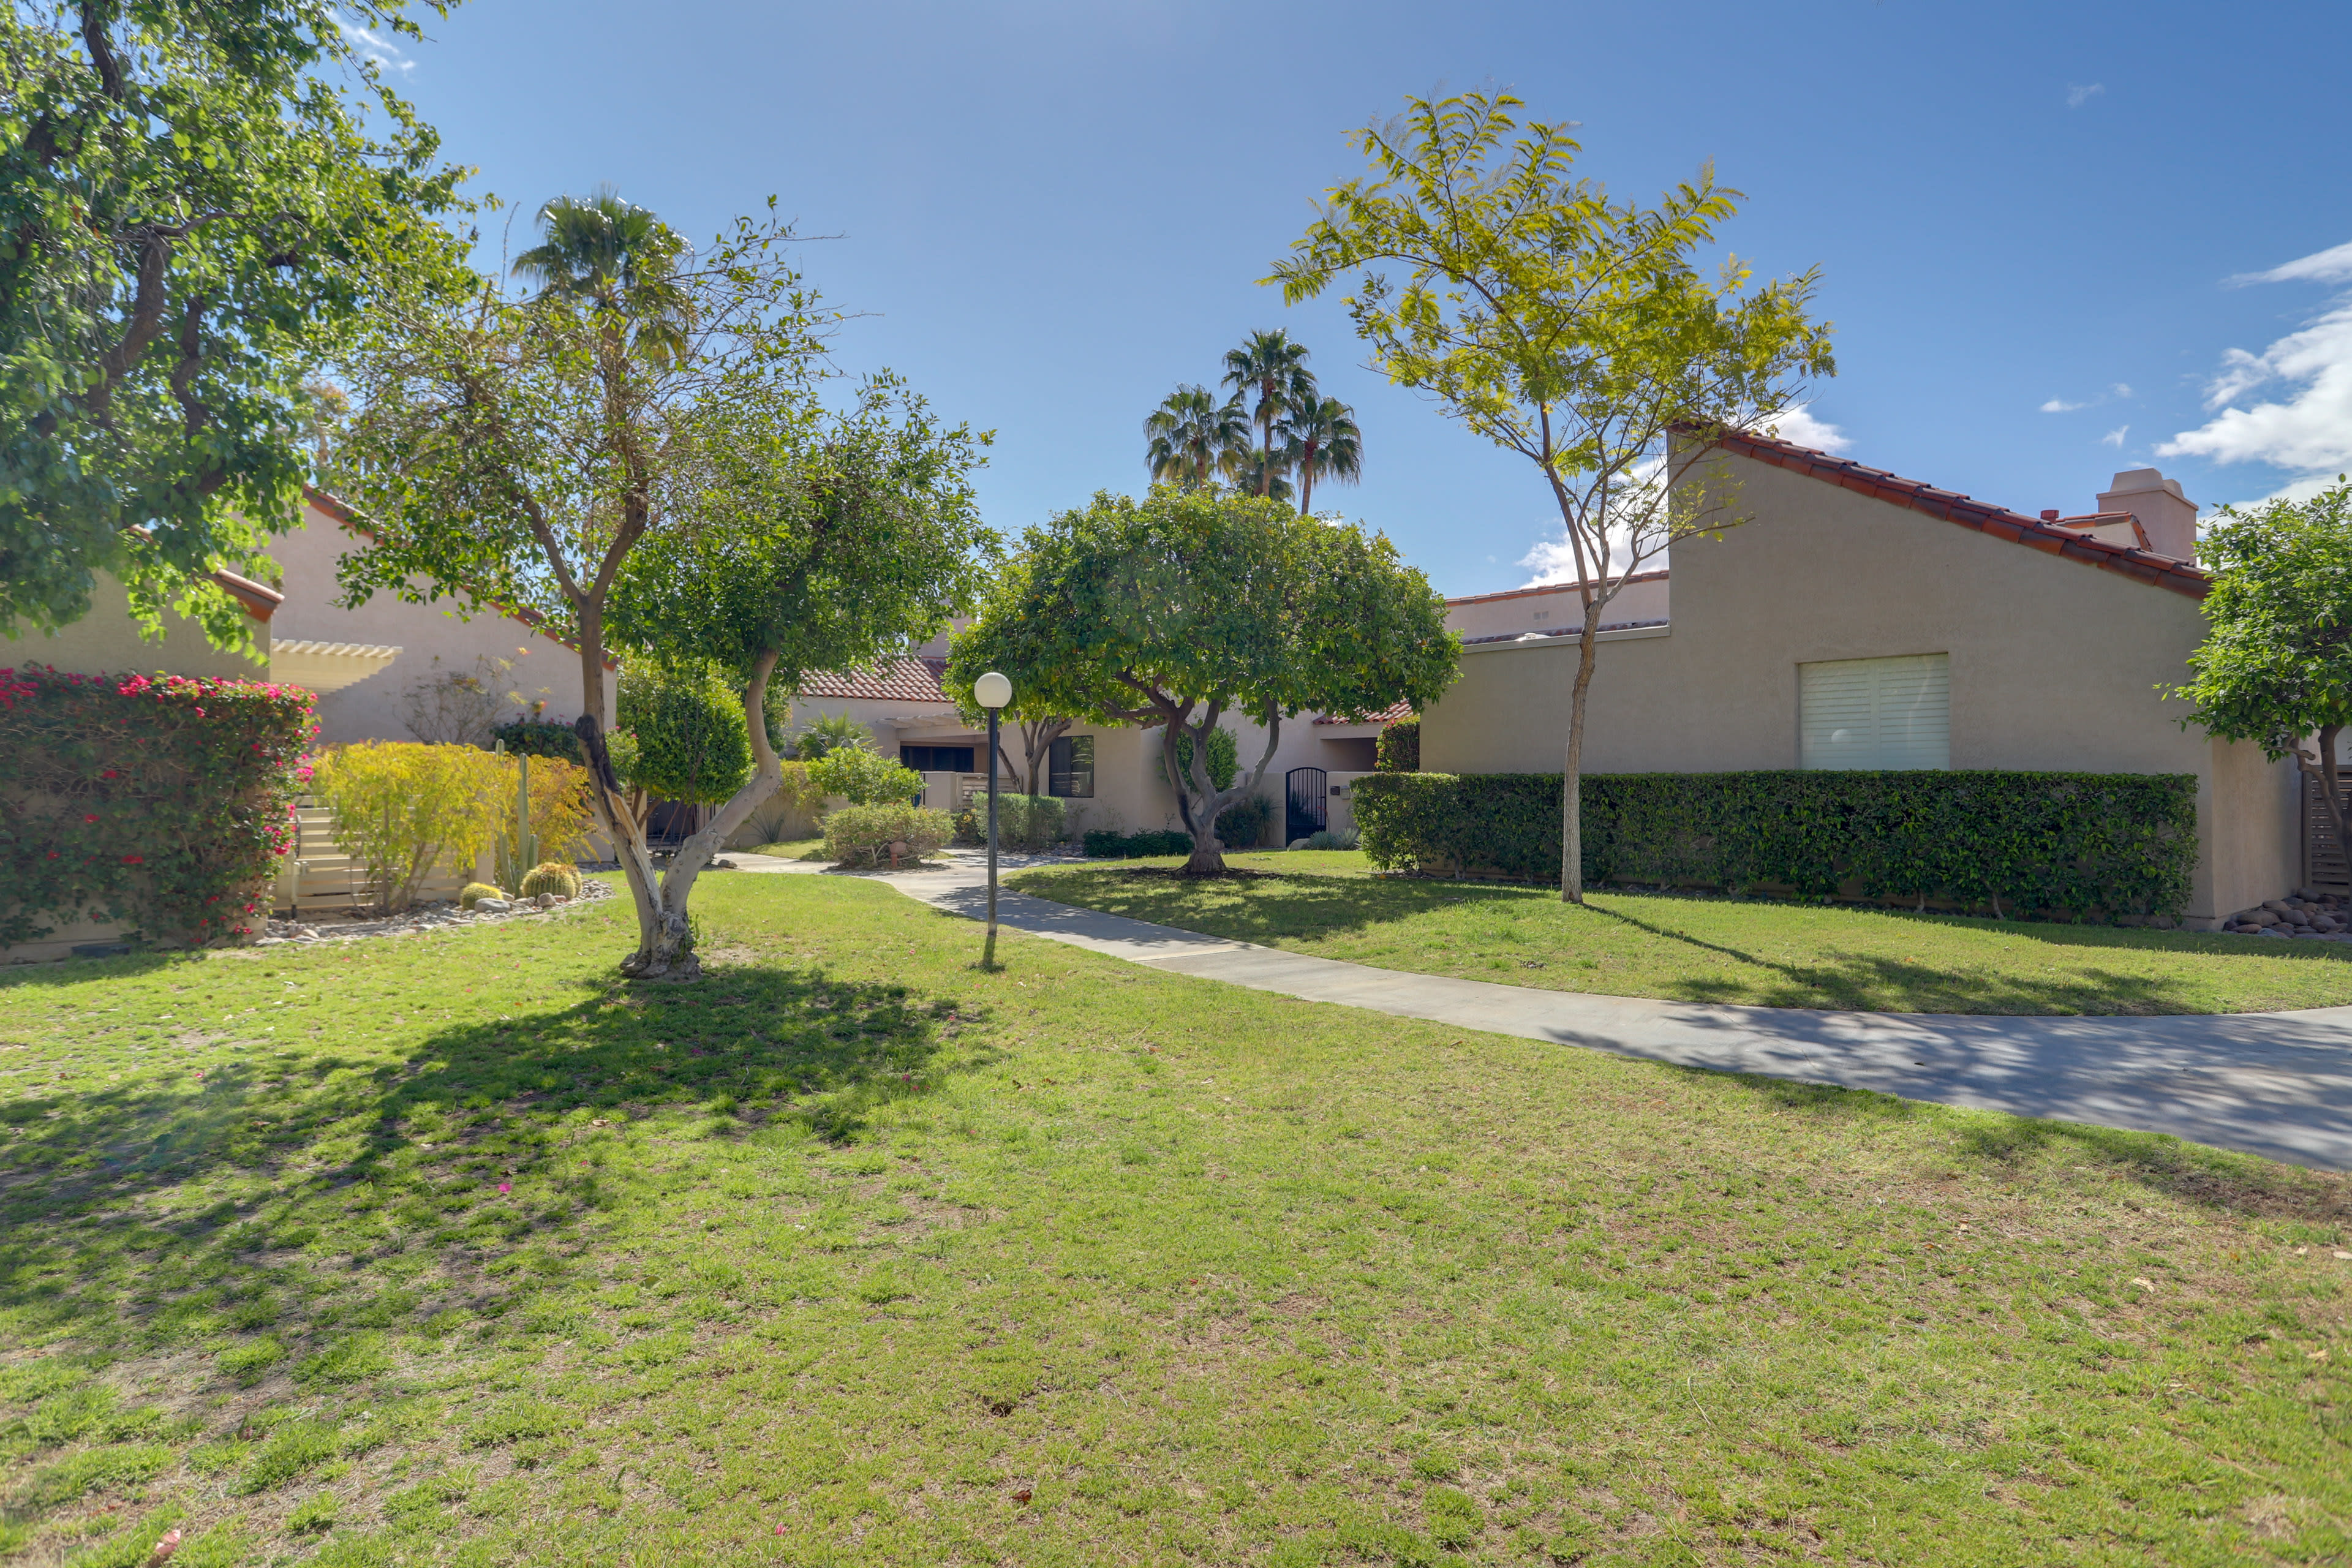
<point x="2054" y="843"/>
<point x="1241" y="825"/>
<point x="1397" y="750"/>
<point x="1103" y="844"/>
<point x="540" y="738"/>
<point x="162" y="802"/>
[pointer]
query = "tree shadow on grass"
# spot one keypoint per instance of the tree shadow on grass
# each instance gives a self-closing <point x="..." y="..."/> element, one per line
<point x="274" y="1214"/>
<point x="1994" y="1144"/>
<point x="1309" y="908"/>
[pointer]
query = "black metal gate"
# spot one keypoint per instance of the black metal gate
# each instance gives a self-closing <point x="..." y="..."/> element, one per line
<point x="1305" y="808"/>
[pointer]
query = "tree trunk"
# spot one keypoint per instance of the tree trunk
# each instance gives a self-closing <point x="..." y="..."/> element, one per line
<point x="1571" y="783"/>
<point x="620" y="824"/>
<point x="669" y="955"/>
<point x="1208" y="858"/>
<point x="2328" y="776"/>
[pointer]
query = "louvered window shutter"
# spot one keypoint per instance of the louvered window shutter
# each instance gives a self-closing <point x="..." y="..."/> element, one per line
<point x="1883" y="713"/>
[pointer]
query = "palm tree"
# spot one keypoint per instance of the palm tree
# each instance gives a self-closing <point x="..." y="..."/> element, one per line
<point x="1266" y="473"/>
<point x="1276" y="366"/>
<point x="617" y="260"/>
<point x="1194" y="438"/>
<point x="1328" y="444"/>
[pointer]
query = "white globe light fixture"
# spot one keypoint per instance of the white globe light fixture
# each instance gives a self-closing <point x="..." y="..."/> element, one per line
<point x="991" y="691"/>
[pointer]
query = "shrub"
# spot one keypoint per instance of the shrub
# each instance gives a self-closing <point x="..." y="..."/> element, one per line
<point x="1397" y="750"/>
<point x="540" y="738"/>
<point x="1241" y="825"/>
<point x="829" y="735"/>
<point x="862" y="834"/>
<point x="162" y="802"/>
<point x="1324" y="839"/>
<point x="1022" y="821"/>
<point x="552" y="877"/>
<point x="403" y="807"/>
<point x="1104" y="844"/>
<point x="2068" y="843"/>
<point x="1224" y="759"/>
<point x="686" y="738"/>
<point x="474" y="892"/>
<point x="865" y="778"/>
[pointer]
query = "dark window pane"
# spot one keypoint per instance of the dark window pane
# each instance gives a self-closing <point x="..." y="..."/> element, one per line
<point x="1071" y="772"/>
<point x="936" y="759"/>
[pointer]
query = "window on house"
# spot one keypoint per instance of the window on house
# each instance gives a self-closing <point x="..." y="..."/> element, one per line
<point x="936" y="759"/>
<point x="1070" y="772"/>
<point x="1875" y="712"/>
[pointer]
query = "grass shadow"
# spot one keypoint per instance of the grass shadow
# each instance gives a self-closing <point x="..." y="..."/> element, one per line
<point x="257" y="1216"/>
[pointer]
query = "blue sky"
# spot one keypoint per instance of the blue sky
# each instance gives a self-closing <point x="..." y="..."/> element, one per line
<point x="2028" y="216"/>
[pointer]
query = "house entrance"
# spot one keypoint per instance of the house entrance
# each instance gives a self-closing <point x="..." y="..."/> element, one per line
<point x="1306" y="808"/>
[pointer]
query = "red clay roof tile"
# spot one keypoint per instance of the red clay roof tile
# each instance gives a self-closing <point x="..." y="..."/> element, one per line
<point x="2135" y="562"/>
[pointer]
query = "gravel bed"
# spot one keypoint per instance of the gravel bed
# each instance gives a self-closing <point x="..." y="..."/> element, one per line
<point x="321" y="927"/>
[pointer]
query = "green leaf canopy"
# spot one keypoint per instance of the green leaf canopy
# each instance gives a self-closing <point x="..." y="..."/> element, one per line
<point x="194" y="214"/>
<point x="1183" y="606"/>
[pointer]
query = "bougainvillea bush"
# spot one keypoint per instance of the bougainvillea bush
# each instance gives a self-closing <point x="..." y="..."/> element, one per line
<point x="160" y="801"/>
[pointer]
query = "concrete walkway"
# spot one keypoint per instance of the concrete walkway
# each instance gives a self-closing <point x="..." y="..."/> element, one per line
<point x="2276" y="1084"/>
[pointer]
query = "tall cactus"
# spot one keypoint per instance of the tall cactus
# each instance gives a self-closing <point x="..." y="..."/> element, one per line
<point x="517" y="848"/>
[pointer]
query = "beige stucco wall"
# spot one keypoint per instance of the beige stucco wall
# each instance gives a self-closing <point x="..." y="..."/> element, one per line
<point x="2053" y="664"/>
<point x="371" y="708"/>
<point x="107" y="642"/>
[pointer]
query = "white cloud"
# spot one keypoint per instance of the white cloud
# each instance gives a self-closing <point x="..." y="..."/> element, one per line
<point x="2307" y="428"/>
<point x="2078" y="96"/>
<point x="372" y="45"/>
<point x="1551" y="561"/>
<point x="2114" y="437"/>
<point x="1799" y="427"/>
<point x="2060" y="405"/>
<point x="2320" y="267"/>
<point x="2120" y="390"/>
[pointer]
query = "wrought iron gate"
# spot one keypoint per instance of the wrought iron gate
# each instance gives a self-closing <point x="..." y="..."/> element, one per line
<point x="1307" y="807"/>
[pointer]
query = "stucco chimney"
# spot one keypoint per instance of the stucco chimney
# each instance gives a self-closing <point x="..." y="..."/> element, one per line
<point x="2166" y="516"/>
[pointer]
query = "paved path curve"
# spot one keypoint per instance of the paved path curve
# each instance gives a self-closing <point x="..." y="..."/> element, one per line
<point x="2276" y="1084"/>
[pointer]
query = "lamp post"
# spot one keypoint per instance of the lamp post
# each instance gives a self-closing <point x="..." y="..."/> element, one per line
<point x="993" y="692"/>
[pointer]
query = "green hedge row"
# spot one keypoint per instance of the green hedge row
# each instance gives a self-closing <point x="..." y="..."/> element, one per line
<point x="2066" y="844"/>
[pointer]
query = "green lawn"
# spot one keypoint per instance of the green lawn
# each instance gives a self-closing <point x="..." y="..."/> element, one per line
<point x="449" y="1249"/>
<point x="1694" y="949"/>
<point x="796" y="849"/>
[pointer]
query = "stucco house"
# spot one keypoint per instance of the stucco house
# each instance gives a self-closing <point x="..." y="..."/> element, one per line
<point x="1863" y="620"/>
<point x="1109" y="775"/>
<point x="361" y="662"/>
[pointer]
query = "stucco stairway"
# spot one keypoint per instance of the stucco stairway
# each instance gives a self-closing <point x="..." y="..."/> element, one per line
<point x="2277" y="1084"/>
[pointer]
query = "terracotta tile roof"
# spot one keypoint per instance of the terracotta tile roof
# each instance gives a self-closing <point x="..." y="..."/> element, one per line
<point x="893" y="680"/>
<point x="1544" y="588"/>
<point x="1389" y="715"/>
<point x="2130" y="560"/>
<point x="1559" y="632"/>
<point x="260" y="601"/>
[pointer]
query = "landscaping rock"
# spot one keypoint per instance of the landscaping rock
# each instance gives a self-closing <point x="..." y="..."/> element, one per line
<point x="424" y="917"/>
<point x="2161" y="923"/>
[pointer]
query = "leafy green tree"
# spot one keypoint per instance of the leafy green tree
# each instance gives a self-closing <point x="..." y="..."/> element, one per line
<point x="1572" y="329"/>
<point x="194" y="213"/>
<point x="1195" y="440"/>
<point x="514" y="452"/>
<point x="800" y="540"/>
<point x="1328" y="445"/>
<point x="2276" y="666"/>
<point x="1177" y="609"/>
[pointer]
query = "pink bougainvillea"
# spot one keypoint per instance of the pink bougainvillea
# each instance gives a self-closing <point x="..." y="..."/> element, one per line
<point x="143" y="799"/>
